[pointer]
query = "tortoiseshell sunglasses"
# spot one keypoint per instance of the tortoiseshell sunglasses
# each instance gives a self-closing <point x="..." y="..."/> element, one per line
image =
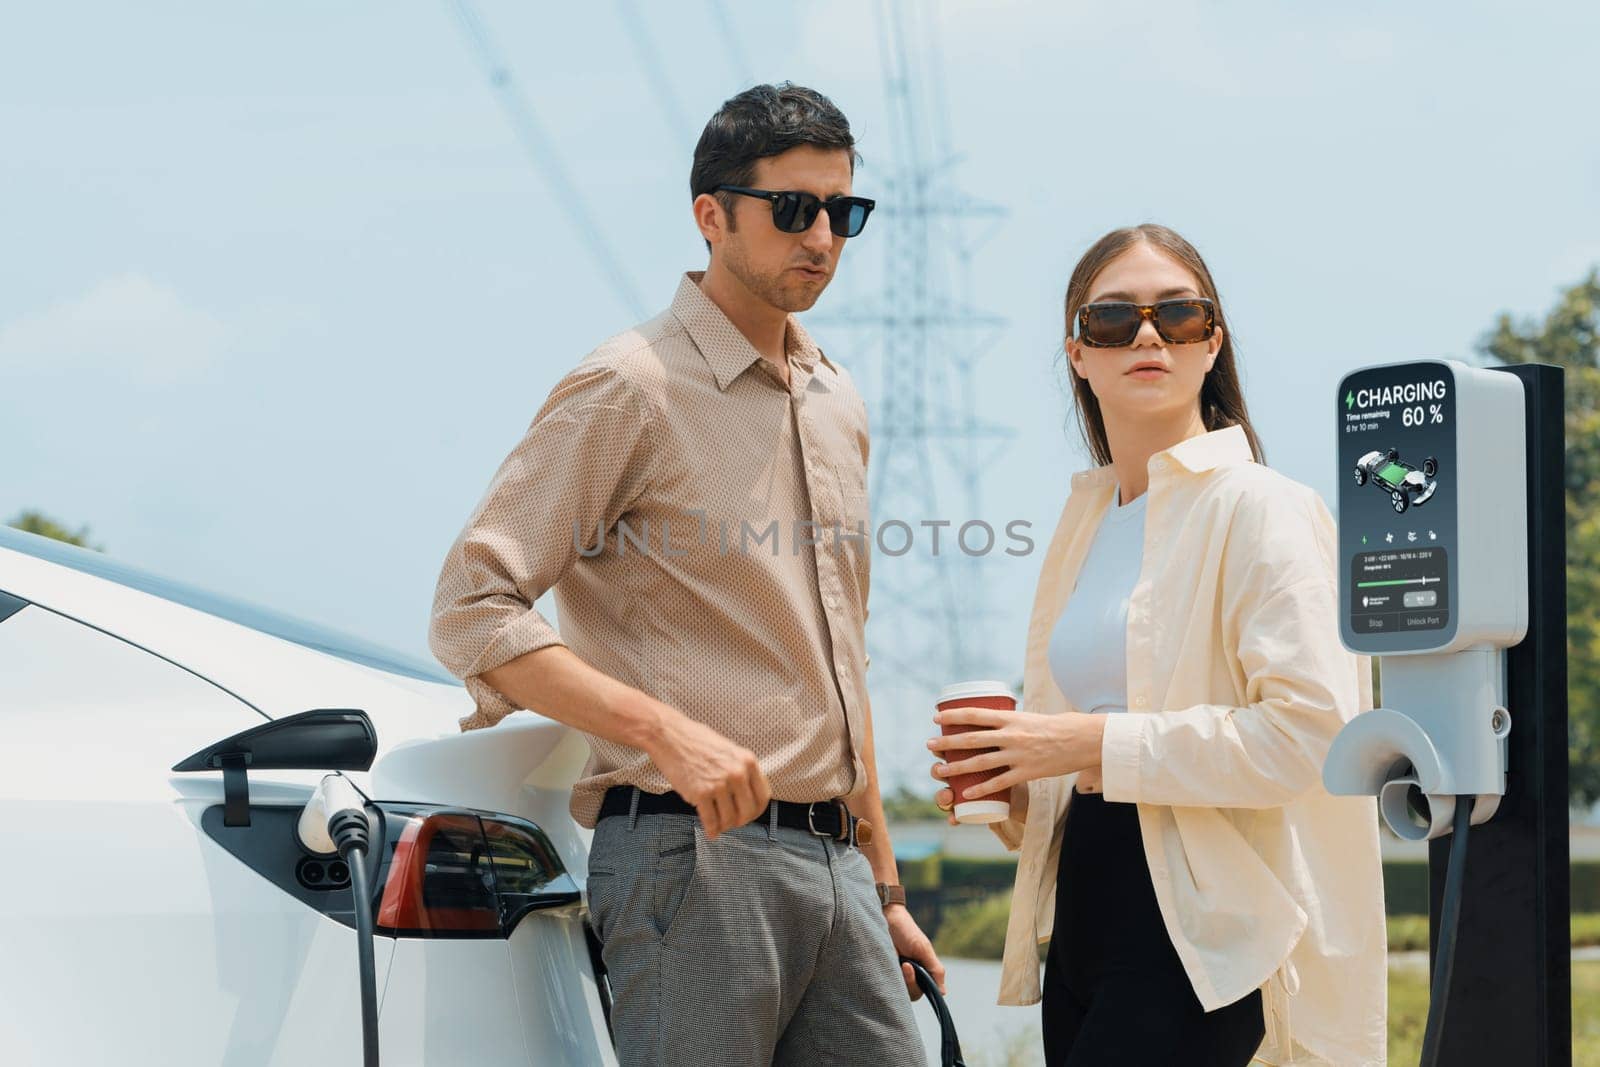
<point x="1115" y="323"/>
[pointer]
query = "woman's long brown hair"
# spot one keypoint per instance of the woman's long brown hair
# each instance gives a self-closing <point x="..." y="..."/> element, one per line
<point x="1221" y="399"/>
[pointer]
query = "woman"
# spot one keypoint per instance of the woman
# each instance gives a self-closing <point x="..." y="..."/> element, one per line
<point x="1209" y="900"/>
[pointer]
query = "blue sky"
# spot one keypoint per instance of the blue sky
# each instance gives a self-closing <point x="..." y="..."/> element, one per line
<point x="280" y="287"/>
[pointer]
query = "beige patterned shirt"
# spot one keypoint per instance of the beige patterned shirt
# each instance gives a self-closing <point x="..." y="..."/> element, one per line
<point x="705" y="531"/>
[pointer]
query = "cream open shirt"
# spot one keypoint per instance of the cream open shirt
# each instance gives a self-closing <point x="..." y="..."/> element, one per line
<point x="1237" y="683"/>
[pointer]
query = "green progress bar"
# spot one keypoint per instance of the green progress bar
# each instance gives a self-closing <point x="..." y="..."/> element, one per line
<point x="1397" y="581"/>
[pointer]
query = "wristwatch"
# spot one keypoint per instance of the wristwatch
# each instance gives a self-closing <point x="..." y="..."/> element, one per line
<point x="890" y="894"/>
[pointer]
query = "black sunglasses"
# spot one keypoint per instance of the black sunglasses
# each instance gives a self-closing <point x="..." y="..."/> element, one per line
<point x="794" y="212"/>
<point x="1115" y="323"/>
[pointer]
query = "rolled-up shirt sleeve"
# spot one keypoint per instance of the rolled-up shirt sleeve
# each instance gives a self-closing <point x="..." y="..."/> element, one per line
<point x="582" y="463"/>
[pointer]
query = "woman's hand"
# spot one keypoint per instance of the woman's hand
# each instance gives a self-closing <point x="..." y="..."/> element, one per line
<point x="1032" y="746"/>
<point x="945" y="801"/>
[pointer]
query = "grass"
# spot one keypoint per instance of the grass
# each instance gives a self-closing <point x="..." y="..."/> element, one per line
<point x="1409" y="933"/>
<point x="978" y="931"/>
<point x="1408" y="1013"/>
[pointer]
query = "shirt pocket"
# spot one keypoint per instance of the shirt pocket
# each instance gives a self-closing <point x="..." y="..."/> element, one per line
<point x="850" y="472"/>
<point x="854" y="509"/>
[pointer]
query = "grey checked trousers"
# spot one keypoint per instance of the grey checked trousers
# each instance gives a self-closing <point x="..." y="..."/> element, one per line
<point x="765" y="946"/>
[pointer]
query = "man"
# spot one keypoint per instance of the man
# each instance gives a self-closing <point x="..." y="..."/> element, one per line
<point x="695" y="493"/>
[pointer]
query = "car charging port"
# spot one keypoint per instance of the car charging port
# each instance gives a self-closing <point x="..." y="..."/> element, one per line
<point x="322" y="875"/>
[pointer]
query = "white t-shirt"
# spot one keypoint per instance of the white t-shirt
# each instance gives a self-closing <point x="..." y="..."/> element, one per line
<point x="1089" y="646"/>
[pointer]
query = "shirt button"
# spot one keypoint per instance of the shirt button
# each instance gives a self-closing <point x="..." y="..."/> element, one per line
<point x="1160" y="464"/>
<point x="1139" y="703"/>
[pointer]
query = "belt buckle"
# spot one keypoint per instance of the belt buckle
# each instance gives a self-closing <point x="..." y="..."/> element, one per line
<point x="844" y="833"/>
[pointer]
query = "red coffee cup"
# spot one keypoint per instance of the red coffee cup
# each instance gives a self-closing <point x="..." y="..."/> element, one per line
<point x="981" y="694"/>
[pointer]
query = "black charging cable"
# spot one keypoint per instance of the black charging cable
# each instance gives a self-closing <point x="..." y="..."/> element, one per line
<point x="1449" y="920"/>
<point x="949" y="1043"/>
<point x="350" y="833"/>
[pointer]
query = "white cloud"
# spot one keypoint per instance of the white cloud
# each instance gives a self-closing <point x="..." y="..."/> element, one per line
<point x="128" y="323"/>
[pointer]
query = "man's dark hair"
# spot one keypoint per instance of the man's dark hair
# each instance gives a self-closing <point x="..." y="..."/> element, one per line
<point x="762" y="121"/>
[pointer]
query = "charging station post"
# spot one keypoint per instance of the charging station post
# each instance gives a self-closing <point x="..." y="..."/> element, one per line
<point x="1510" y="993"/>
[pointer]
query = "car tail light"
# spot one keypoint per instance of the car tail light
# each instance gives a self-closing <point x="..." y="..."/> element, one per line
<point x="452" y="873"/>
<point x="438" y="880"/>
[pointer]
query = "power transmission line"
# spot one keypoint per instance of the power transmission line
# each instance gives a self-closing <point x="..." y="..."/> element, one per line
<point x="730" y="38"/>
<point x="542" y="151"/>
<point x="655" y="71"/>
<point x="930" y="617"/>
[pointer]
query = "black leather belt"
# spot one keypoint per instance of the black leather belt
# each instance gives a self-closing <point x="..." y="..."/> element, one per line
<point x="825" y="818"/>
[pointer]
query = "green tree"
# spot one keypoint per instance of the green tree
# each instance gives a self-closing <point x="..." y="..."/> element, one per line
<point x="905" y="804"/>
<point x="1569" y="336"/>
<point x="37" y="522"/>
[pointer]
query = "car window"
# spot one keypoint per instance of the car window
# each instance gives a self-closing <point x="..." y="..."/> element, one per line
<point x="10" y="605"/>
<point x="267" y="621"/>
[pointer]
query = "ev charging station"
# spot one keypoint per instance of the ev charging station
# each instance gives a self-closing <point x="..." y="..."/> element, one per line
<point x="1452" y="572"/>
<point x="1434" y="579"/>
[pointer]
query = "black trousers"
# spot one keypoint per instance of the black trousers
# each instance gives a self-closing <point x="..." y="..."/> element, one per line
<point x="1115" y="992"/>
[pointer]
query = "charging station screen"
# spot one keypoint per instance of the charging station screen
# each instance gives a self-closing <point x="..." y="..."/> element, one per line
<point x="1397" y="506"/>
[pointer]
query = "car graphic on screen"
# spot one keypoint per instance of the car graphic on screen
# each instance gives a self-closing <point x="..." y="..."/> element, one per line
<point x="1406" y="485"/>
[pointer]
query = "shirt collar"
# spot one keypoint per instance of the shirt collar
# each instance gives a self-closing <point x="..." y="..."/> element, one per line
<point x="1197" y="454"/>
<point x="727" y="351"/>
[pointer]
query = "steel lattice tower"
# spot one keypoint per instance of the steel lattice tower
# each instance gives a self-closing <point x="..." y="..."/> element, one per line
<point x="929" y="618"/>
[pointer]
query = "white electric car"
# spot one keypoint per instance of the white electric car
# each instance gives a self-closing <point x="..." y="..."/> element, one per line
<point x="152" y="915"/>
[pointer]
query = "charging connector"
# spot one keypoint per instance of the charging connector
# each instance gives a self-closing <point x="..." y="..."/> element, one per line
<point x="335" y="820"/>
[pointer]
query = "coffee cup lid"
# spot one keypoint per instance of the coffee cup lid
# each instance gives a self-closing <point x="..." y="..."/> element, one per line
<point x="962" y="690"/>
